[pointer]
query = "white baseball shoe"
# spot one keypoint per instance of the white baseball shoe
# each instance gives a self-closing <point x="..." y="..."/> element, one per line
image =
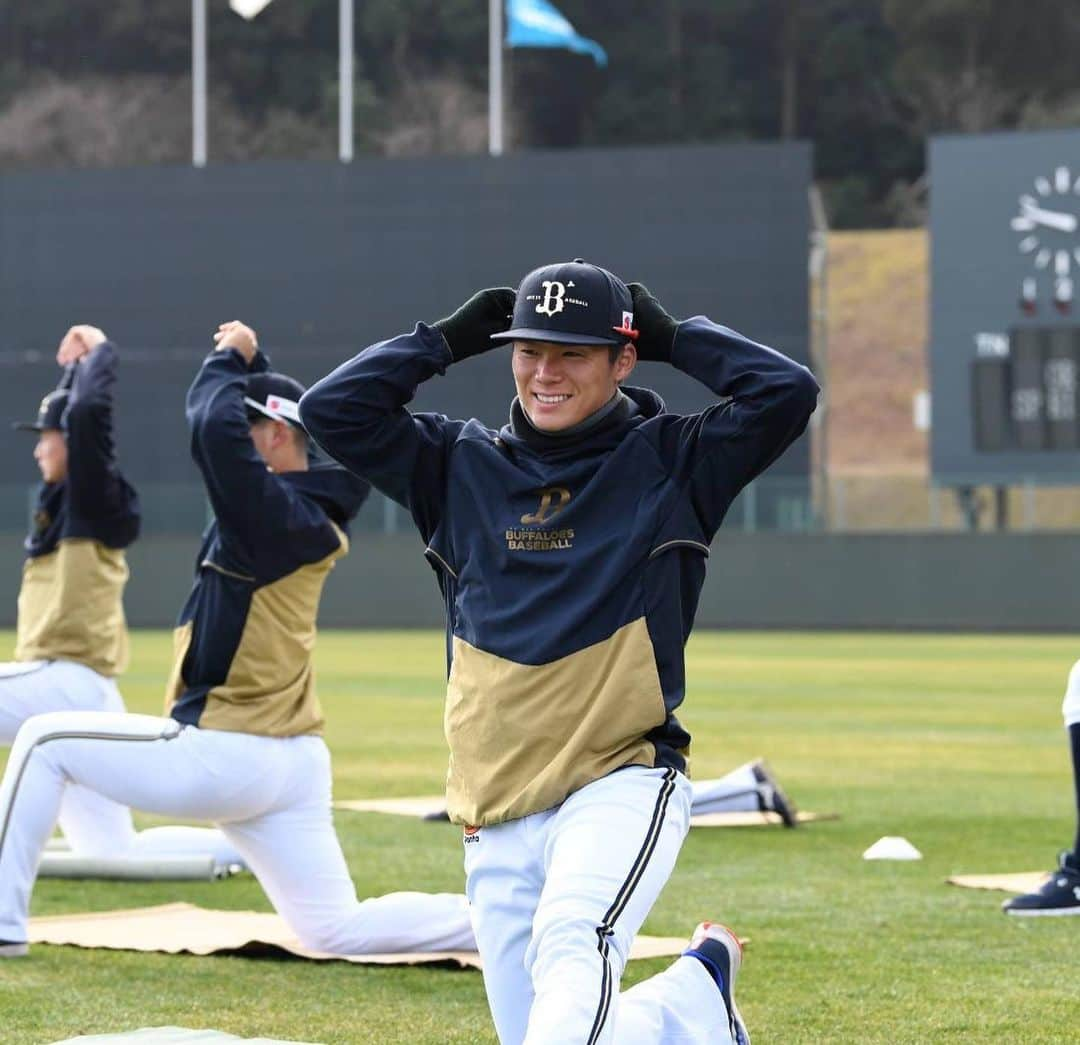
<point x="13" y="949"/>
<point x="721" y="947"/>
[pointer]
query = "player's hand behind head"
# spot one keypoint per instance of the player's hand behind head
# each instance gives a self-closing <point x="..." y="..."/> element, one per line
<point x="468" y="330"/>
<point x="656" y="329"/>
<point x="79" y="341"/>
<point x="235" y="334"/>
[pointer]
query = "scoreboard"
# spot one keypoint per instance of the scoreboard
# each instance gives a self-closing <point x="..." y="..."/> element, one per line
<point x="1005" y="312"/>
<point x="1027" y="400"/>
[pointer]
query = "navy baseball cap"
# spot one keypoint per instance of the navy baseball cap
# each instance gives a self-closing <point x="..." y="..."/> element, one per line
<point x="573" y="303"/>
<point x="274" y="395"/>
<point x="50" y="413"/>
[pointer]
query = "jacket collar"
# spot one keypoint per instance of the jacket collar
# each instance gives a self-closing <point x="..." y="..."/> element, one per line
<point x="601" y="430"/>
<point x="338" y="492"/>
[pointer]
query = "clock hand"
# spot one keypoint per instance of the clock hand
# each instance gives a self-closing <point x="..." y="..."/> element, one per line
<point x="1052" y="218"/>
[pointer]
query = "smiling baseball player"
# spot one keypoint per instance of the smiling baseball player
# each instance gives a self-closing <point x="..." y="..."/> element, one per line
<point x="242" y="745"/>
<point x="570" y="549"/>
<point x="71" y="638"/>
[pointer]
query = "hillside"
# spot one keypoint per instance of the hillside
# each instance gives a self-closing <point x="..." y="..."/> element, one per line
<point x="877" y="301"/>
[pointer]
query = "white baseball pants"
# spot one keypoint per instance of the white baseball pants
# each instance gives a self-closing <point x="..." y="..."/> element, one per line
<point x="93" y="825"/>
<point x="557" y="898"/>
<point x="1070" y="708"/>
<point x="271" y="796"/>
<point x="735" y="792"/>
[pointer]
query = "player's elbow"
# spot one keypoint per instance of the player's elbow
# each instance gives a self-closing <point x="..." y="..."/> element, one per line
<point x="313" y="410"/>
<point x="321" y="415"/>
<point x="83" y="415"/>
<point x="211" y="437"/>
<point x="801" y="391"/>
<point x="204" y="431"/>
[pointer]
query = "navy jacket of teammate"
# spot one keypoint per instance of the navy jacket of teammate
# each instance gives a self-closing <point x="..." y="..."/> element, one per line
<point x="570" y="564"/>
<point x="245" y="636"/>
<point x="71" y="599"/>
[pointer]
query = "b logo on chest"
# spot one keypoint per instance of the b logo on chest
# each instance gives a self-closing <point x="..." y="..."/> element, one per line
<point x="552" y="501"/>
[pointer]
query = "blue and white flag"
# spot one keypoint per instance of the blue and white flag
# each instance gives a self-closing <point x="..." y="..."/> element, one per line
<point x="536" y="23"/>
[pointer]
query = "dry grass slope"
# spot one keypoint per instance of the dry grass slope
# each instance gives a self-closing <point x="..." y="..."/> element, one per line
<point x="877" y="328"/>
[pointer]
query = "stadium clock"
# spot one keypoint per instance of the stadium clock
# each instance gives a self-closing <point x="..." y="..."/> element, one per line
<point x="1048" y="225"/>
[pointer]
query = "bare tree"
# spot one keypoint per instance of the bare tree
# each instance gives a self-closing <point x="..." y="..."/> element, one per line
<point x="99" y="122"/>
<point x="434" y="115"/>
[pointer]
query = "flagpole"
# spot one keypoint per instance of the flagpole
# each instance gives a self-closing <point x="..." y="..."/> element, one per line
<point x="345" y="81"/>
<point x="495" y="77"/>
<point x="198" y="83"/>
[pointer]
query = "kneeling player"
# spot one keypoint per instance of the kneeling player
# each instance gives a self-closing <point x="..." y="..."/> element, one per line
<point x="242" y="743"/>
<point x="570" y="549"/>
<point x="71" y="638"/>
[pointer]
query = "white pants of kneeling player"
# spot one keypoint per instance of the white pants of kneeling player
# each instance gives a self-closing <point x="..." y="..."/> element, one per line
<point x="1070" y="707"/>
<point x="93" y="825"/>
<point x="271" y="796"/>
<point x="557" y="898"/>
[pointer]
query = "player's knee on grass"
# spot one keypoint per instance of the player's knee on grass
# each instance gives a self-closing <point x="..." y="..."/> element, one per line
<point x="327" y="937"/>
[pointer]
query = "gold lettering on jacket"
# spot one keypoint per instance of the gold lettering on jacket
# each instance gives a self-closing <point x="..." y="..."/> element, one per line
<point x="539" y="540"/>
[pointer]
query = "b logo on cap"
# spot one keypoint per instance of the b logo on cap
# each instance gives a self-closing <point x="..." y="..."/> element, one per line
<point x="554" y="292"/>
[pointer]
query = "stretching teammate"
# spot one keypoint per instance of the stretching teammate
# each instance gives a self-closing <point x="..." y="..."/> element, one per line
<point x="570" y="549"/>
<point x="751" y="787"/>
<point x="242" y="745"/>
<point x="1060" y="894"/>
<point x="72" y="638"/>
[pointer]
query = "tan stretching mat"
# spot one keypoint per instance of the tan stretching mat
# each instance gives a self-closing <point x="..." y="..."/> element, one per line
<point x="181" y="928"/>
<point x="433" y="807"/>
<point x="755" y="819"/>
<point x="1016" y="882"/>
<point x="173" y="1036"/>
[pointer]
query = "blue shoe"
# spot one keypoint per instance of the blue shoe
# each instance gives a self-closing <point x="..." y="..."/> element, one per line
<point x="1059" y="895"/>
<point x="13" y="949"/>
<point x="717" y="946"/>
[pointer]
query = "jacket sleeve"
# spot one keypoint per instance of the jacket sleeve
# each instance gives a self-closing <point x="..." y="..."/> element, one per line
<point x="766" y="400"/>
<point x="253" y="507"/>
<point x="358" y="415"/>
<point x="101" y="502"/>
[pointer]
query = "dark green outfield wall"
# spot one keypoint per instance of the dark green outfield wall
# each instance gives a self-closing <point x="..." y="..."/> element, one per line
<point x="1008" y="582"/>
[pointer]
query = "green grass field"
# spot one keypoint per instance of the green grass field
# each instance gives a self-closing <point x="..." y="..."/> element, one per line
<point x="952" y="741"/>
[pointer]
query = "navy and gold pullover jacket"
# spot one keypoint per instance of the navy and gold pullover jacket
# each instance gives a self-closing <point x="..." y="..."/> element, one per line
<point x="570" y="568"/>
<point x="71" y="599"/>
<point x="243" y="644"/>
